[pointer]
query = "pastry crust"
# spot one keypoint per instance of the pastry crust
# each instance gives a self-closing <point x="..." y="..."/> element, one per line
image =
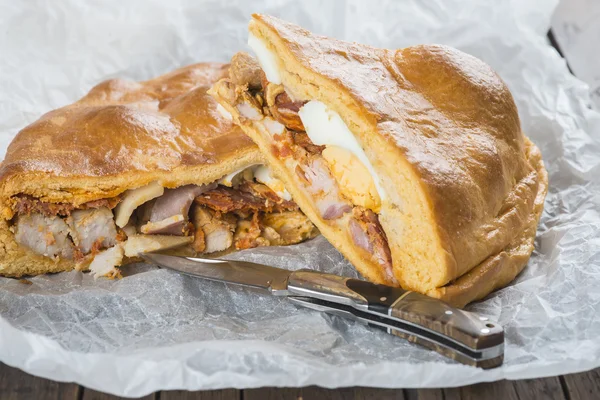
<point x="125" y="134"/>
<point x="121" y="135"/>
<point x="465" y="187"/>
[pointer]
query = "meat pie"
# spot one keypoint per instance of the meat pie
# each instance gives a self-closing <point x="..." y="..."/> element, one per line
<point x="411" y="162"/>
<point x="135" y="167"/>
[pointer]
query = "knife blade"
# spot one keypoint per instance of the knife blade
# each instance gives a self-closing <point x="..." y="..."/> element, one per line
<point x="238" y="272"/>
<point x="464" y="336"/>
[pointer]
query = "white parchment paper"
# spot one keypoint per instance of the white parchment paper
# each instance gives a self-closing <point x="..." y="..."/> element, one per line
<point x="157" y="330"/>
<point x="576" y="27"/>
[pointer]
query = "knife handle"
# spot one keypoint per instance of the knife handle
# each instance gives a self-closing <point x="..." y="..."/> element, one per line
<point x="466" y="328"/>
<point x="427" y="314"/>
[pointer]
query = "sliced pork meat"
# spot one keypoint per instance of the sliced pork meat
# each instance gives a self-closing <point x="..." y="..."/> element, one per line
<point x="143" y="213"/>
<point x="44" y="235"/>
<point x="92" y="229"/>
<point x="214" y="232"/>
<point x="365" y="227"/>
<point x="290" y="226"/>
<point x="316" y="173"/>
<point x="248" y="234"/>
<point x="332" y="208"/>
<point x="169" y="213"/>
<point x="218" y="240"/>
<point x="319" y="182"/>
<point x="272" y="236"/>
<point x="359" y="235"/>
<point x="106" y="261"/>
<point x="177" y="201"/>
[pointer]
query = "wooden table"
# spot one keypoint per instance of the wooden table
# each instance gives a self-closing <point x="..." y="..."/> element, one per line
<point x="15" y="384"/>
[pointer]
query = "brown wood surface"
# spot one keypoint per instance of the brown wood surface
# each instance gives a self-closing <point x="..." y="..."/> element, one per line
<point x="226" y="394"/>
<point x="582" y="386"/>
<point x="89" y="394"/>
<point x="15" y="384"/>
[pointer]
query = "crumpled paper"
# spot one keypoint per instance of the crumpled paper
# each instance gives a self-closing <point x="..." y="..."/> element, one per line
<point x="576" y="29"/>
<point x="155" y="329"/>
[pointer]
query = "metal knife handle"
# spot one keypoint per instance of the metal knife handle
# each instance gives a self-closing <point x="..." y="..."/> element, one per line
<point x="488" y="358"/>
<point x="464" y="328"/>
<point x="467" y="328"/>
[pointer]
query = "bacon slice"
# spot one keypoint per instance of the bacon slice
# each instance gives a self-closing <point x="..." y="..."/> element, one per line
<point x="264" y="192"/>
<point x="283" y="145"/>
<point x="248" y="197"/>
<point x="285" y="110"/>
<point x="302" y="139"/>
<point x="26" y="205"/>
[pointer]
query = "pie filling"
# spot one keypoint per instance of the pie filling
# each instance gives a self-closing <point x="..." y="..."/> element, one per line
<point x="315" y="144"/>
<point x="245" y="209"/>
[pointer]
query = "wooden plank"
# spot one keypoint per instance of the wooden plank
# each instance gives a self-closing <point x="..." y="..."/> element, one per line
<point x="545" y="388"/>
<point x="424" y="394"/>
<point x="318" y="393"/>
<point x="585" y="385"/>
<point x="362" y="393"/>
<point x="16" y="385"/>
<point x="273" y="394"/>
<point x="89" y="394"/>
<point x="356" y="393"/>
<point x="226" y="394"/>
<point x="493" y="390"/>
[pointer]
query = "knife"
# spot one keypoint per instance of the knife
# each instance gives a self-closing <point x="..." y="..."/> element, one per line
<point x="463" y="336"/>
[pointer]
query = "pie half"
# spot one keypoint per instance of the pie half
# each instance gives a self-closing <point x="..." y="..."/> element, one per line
<point x="138" y="166"/>
<point x="411" y="162"/>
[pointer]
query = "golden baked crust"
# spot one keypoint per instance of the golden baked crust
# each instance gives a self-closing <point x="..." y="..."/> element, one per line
<point x="121" y="135"/>
<point x="125" y="134"/>
<point x="499" y="269"/>
<point x="465" y="186"/>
